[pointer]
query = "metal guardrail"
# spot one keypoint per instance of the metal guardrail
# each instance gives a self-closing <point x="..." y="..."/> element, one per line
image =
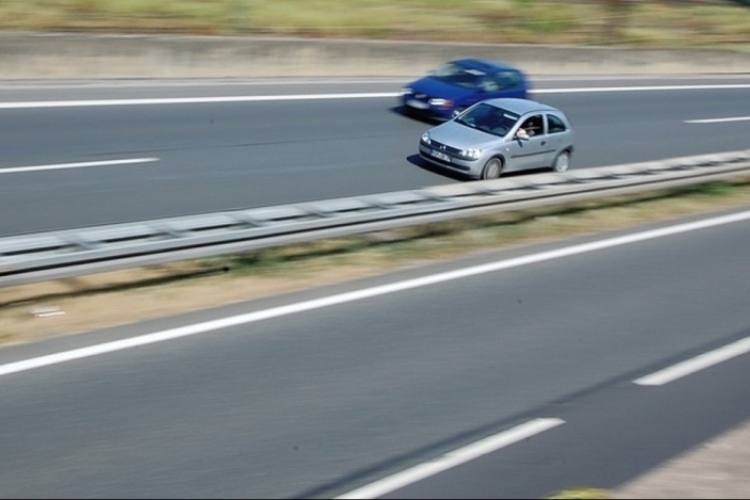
<point x="78" y="252"/>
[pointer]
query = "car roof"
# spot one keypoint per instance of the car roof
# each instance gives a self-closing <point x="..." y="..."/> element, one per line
<point x="520" y="106"/>
<point x="484" y="65"/>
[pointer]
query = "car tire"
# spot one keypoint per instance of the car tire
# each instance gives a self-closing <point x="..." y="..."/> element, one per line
<point x="562" y="162"/>
<point x="492" y="169"/>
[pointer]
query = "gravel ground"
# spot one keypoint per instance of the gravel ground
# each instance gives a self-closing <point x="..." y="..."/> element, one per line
<point x="719" y="468"/>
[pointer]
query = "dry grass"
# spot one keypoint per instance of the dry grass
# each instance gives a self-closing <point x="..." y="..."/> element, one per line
<point x="126" y="296"/>
<point x="649" y="22"/>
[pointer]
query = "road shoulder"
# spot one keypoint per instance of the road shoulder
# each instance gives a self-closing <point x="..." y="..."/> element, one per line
<point x="719" y="468"/>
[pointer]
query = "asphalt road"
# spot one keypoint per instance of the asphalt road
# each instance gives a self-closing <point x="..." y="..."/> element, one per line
<point x="319" y="398"/>
<point x="279" y="142"/>
<point x="607" y="437"/>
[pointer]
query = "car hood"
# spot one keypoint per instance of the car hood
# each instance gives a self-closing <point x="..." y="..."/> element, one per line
<point x="437" y="88"/>
<point x="462" y="137"/>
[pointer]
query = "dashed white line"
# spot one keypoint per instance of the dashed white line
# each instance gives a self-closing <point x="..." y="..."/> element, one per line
<point x="696" y="364"/>
<point x="720" y="120"/>
<point x="453" y="459"/>
<point x="63" y="166"/>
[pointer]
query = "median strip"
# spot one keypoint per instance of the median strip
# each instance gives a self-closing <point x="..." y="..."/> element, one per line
<point x="366" y="293"/>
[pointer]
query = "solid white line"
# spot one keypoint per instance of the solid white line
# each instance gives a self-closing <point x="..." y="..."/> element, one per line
<point x="243" y="319"/>
<point x="454" y="458"/>
<point x="657" y="77"/>
<point x="310" y="97"/>
<point x="728" y="86"/>
<point x="301" y="81"/>
<point x="721" y="120"/>
<point x="187" y="100"/>
<point x="63" y="166"/>
<point x="218" y="82"/>
<point x="696" y="364"/>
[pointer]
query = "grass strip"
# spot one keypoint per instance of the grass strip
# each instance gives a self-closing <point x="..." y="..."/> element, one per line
<point x="121" y="297"/>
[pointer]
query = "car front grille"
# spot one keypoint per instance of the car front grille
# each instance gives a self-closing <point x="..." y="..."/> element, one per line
<point x="444" y="148"/>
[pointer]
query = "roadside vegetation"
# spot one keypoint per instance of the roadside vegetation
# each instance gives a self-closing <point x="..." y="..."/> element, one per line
<point x="667" y="23"/>
<point x="86" y="303"/>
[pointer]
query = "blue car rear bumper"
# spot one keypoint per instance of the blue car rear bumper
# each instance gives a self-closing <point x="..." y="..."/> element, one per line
<point x="422" y="108"/>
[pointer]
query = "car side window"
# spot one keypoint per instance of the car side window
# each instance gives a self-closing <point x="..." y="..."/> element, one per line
<point x="489" y="84"/>
<point x="533" y="125"/>
<point x="507" y="79"/>
<point x="556" y="124"/>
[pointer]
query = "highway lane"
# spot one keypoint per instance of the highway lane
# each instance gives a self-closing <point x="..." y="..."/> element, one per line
<point x="607" y="437"/>
<point x="320" y="399"/>
<point x="211" y="156"/>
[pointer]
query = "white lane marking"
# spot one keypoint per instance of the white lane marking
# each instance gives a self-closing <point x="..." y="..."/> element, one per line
<point x="696" y="364"/>
<point x="63" y="166"/>
<point x="266" y="81"/>
<point x="728" y="86"/>
<point x="721" y="120"/>
<point x="189" y="100"/>
<point x="357" y="80"/>
<point x="311" y="97"/>
<point x="250" y="82"/>
<point x="243" y="319"/>
<point x="644" y="77"/>
<point x="454" y="458"/>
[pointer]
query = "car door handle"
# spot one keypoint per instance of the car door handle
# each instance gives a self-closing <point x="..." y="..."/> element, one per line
<point x="544" y="143"/>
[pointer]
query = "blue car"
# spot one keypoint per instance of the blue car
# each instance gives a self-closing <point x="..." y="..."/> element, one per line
<point x="458" y="84"/>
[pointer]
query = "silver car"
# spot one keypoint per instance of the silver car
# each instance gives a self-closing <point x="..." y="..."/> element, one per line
<point x="500" y="135"/>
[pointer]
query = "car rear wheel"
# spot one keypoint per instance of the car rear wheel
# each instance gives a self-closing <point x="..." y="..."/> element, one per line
<point x="562" y="162"/>
<point x="492" y="169"/>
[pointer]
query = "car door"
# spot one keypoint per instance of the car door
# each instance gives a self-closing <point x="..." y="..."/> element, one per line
<point x="558" y="135"/>
<point x="532" y="152"/>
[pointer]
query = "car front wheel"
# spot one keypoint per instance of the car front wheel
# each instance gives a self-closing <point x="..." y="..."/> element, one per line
<point x="562" y="162"/>
<point x="492" y="169"/>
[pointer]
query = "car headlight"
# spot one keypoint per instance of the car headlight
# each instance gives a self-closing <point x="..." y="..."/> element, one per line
<point x="441" y="103"/>
<point x="426" y="138"/>
<point x="472" y="153"/>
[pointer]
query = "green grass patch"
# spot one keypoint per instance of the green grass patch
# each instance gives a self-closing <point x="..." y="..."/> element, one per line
<point x="581" y="494"/>
<point x="648" y="22"/>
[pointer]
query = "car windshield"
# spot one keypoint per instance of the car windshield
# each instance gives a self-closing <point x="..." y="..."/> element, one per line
<point x="458" y="75"/>
<point x="490" y="119"/>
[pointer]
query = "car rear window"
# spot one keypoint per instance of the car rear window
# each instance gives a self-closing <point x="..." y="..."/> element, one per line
<point x="556" y="124"/>
<point x="508" y="79"/>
